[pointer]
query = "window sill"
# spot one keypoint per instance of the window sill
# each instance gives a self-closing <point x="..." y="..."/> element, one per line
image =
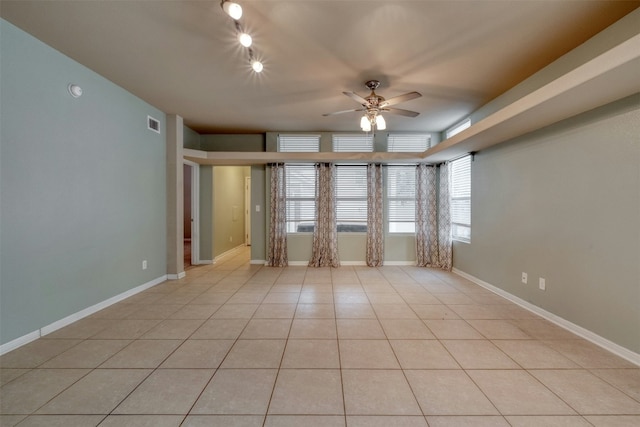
<point x="467" y="241"/>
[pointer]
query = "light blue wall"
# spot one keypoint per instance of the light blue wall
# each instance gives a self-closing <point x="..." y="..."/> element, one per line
<point x="563" y="203"/>
<point x="191" y="138"/>
<point x="83" y="188"/>
<point x="232" y="142"/>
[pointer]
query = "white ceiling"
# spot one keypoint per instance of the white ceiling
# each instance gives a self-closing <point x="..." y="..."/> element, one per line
<point x="181" y="56"/>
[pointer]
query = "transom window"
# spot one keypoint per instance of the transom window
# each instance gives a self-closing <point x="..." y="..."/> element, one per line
<point x="299" y="143"/>
<point x="352" y="143"/>
<point x="412" y="143"/>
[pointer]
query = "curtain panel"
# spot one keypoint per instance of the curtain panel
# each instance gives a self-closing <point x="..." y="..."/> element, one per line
<point x="445" y="250"/>
<point x="277" y="247"/>
<point x="324" y="252"/>
<point x="433" y="218"/>
<point x="375" y="230"/>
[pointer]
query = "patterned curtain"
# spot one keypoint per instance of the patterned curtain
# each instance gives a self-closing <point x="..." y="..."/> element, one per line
<point x="433" y="225"/>
<point x="445" y="255"/>
<point x="325" y="232"/>
<point x="277" y="248"/>
<point x="375" y="237"/>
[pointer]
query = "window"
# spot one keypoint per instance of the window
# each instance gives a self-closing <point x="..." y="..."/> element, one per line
<point x="458" y="128"/>
<point x="401" y="198"/>
<point x="300" y="183"/>
<point x="351" y="198"/>
<point x="408" y="143"/>
<point x="461" y="199"/>
<point x="299" y="143"/>
<point x="301" y="197"/>
<point x="352" y="143"/>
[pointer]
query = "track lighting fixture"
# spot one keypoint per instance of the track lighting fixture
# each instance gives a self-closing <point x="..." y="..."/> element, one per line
<point x="257" y="66"/>
<point x="245" y="39"/>
<point x="232" y="9"/>
<point x="255" y="63"/>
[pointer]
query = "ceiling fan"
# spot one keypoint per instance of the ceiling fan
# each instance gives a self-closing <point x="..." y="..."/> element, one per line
<point x="374" y="104"/>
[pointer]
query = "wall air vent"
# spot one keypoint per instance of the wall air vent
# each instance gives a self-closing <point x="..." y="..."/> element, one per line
<point x="153" y="124"/>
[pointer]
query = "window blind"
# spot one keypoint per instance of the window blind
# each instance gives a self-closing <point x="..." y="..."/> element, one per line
<point x="401" y="198"/>
<point x="351" y="198"/>
<point x="299" y="143"/>
<point x="352" y="143"/>
<point x="461" y="198"/>
<point x="300" y="197"/>
<point x="408" y="143"/>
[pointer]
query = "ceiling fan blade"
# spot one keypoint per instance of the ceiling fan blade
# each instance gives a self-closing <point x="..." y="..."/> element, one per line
<point x="343" y="111"/>
<point x="401" y="112"/>
<point x="400" y="98"/>
<point x="356" y="97"/>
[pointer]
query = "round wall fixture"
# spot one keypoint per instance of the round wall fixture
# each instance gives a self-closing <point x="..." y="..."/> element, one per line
<point x="75" y="90"/>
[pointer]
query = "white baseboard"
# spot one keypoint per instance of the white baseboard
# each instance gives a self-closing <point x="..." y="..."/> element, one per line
<point x="19" y="342"/>
<point x="52" y="327"/>
<point x="298" y="263"/>
<point x="356" y="263"/>
<point x="178" y="276"/>
<point x="205" y="262"/>
<point x="614" y="348"/>
<point x="258" y="262"/>
<point x="399" y="263"/>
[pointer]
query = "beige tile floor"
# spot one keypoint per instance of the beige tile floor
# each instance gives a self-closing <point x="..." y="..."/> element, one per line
<point x="242" y="345"/>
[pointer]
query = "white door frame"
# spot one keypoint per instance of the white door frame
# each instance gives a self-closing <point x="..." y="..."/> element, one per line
<point x="247" y="210"/>
<point x="195" y="211"/>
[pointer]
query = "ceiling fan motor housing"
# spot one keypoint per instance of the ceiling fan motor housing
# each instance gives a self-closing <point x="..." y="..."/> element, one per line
<point x="373" y="100"/>
<point x="372" y="84"/>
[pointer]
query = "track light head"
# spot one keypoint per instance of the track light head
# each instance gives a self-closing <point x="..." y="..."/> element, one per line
<point x="232" y="9"/>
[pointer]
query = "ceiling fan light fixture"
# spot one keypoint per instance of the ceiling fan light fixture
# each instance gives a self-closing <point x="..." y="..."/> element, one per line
<point x="232" y="9"/>
<point x="380" y="123"/>
<point x="365" y="124"/>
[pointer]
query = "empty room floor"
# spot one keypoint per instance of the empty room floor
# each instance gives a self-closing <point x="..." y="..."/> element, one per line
<point x="235" y="344"/>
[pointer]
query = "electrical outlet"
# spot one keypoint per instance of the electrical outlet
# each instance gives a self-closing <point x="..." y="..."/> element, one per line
<point x="144" y="264"/>
<point x="542" y="284"/>
<point x="230" y="238"/>
<point x="257" y="208"/>
<point x="525" y="278"/>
